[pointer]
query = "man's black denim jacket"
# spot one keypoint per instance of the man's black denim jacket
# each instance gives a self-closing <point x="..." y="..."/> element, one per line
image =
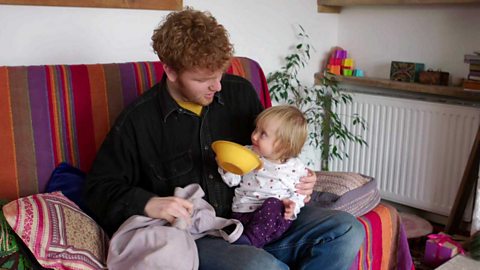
<point x="155" y="146"/>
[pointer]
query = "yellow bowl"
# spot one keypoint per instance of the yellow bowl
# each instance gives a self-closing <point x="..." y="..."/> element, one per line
<point x="235" y="158"/>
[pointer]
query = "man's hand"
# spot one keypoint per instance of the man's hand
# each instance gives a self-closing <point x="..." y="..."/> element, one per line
<point x="305" y="187"/>
<point x="169" y="208"/>
<point x="289" y="208"/>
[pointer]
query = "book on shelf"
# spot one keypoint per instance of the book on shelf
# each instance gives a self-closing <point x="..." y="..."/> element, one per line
<point x="471" y="85"/>
<point x="473" y="62"/>
<point x="469" y="58"/>
<point x="473" y="77"/>
<point x="474" y="73"/>
<point x="474" y="67"/>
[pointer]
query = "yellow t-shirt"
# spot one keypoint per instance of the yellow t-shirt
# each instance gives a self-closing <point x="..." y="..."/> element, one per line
<point x="193" y="107"/>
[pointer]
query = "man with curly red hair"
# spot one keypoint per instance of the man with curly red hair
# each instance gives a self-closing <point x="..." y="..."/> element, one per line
<point x="163" y="139"/>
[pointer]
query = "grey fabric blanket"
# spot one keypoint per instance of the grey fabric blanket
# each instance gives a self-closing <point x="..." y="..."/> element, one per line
<point x="146" y="243"/>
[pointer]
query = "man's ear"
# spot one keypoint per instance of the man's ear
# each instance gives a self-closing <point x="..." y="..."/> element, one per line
<point x="172" y="74"/>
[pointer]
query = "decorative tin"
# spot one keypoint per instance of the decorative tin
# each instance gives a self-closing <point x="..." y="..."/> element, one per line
<point x="405" y="71"/>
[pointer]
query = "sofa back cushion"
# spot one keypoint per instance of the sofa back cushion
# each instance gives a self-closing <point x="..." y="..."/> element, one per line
<point x="50" y="114"/>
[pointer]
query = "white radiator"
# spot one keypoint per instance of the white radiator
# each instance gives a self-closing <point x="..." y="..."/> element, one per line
<point x="416" y="150"/>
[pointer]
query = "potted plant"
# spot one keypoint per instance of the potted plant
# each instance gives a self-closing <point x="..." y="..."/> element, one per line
<point x="318" y="103"/>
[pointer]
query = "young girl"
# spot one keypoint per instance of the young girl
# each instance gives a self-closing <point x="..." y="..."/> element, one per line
<point x="265" y="200"/>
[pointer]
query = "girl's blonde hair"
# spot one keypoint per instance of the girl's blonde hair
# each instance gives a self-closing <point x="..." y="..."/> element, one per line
<point x="292" y="131"/>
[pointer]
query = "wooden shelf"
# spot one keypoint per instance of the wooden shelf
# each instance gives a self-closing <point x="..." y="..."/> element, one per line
<point x="334" y="6"/>
<point x="131" y="4"/>
<point x="432" y="90"/>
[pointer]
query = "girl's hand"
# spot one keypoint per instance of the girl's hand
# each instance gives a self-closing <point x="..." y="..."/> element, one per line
<point x="289" y="208"/>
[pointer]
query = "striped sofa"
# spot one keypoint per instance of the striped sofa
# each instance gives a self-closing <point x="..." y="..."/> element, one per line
<point x="51" y="114"/>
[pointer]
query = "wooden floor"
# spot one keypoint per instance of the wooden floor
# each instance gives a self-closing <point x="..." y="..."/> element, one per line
<point x="460" y="262"/>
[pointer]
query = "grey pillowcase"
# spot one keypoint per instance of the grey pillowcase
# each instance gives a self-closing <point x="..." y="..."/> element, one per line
<point x="356" y="194"/>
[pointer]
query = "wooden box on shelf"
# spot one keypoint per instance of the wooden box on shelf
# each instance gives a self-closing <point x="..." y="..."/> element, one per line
<point x="433" y="77"/>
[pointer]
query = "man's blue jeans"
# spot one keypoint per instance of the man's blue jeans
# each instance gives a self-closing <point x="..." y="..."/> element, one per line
<point x="318" y="239"/>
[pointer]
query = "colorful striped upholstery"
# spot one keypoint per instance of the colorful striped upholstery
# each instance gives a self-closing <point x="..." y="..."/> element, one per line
<point x="386" y="245"/>
<point x="50" y="114"/>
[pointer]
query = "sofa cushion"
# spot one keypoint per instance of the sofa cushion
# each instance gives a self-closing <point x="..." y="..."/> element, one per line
<point x="57" y="232"/>
<point x="354" y="193"/>
<point x="69" y="180"/>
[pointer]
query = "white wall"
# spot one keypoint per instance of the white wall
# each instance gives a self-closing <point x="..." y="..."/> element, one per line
<point x="436" y="35"/>
<point x="260" y="29"/>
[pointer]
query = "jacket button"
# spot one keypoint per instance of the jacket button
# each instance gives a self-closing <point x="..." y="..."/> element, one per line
<point x="206" y="147"/>
<point x="215" y="205"/>
<point x="210" y="176"/>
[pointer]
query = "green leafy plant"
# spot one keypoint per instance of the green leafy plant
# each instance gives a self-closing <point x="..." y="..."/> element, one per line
<point x="317" y="101"/>
<point x="472" y="245"/>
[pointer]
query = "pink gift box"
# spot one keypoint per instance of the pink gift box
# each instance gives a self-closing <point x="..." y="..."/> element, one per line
<point x="440" y="248"/>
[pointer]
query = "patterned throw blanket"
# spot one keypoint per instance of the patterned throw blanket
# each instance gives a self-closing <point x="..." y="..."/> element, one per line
<point x="385" y="245"/>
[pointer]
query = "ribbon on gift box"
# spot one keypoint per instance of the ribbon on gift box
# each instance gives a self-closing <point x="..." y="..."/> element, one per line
<point x="442" y="238"/>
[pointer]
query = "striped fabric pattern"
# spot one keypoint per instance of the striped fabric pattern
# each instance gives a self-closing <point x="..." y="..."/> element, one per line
<point x="385" y="246"/>
<point x="50" y="114"/>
